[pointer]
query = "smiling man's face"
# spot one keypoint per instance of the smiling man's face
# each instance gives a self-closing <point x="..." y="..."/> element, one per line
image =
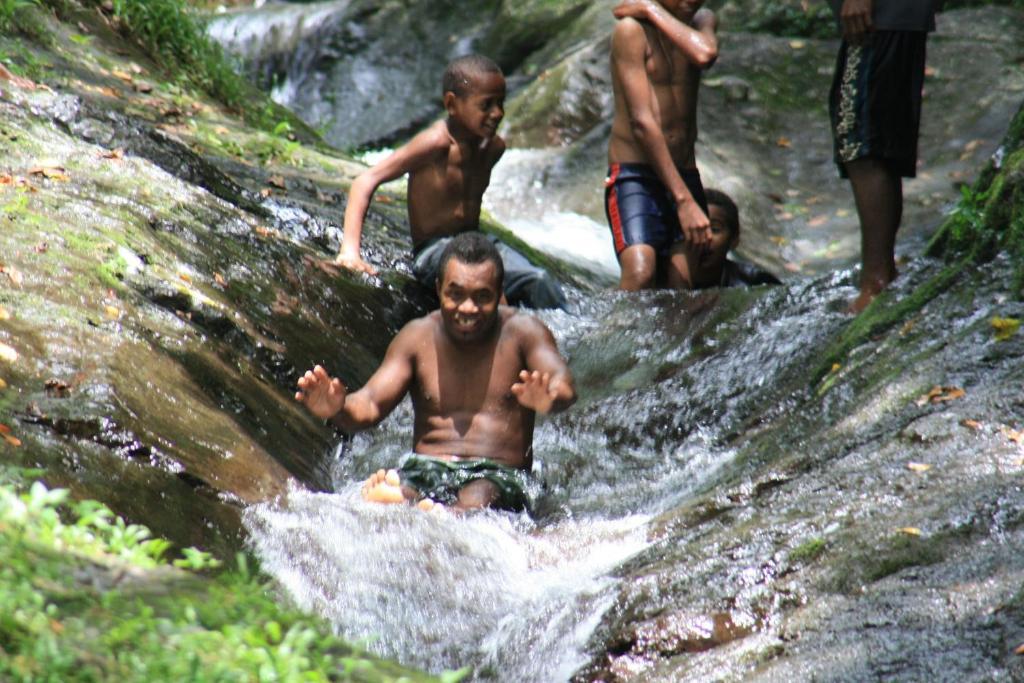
<point x="469" y="294"/>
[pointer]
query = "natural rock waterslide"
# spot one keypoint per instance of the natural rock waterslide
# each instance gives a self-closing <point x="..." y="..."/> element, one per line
<point x="736" y="496"/>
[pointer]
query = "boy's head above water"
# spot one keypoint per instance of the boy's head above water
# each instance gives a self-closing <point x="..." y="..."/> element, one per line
<point x="725" y="227"/>
<point x="474" y="96"/>
<point x="683" y="9"/>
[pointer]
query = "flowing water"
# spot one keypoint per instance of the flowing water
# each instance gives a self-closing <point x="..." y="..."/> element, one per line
<point x="676" y="516"/>
<point x="517" y="597"/>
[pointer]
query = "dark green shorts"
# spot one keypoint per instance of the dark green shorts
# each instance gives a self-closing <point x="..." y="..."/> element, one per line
<point x="441" y="480"/>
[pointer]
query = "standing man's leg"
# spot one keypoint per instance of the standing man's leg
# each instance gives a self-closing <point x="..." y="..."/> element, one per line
<point x="878" y="194"/>
<point x="639" y="264"/>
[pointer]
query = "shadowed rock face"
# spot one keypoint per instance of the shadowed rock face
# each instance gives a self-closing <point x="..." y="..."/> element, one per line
<point x="162" y="290"/>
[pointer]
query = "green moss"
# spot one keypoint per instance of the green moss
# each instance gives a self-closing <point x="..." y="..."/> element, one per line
<point x="807" y="551"/>
<point x="990" y="215"/>
<point x="883" y="313"/>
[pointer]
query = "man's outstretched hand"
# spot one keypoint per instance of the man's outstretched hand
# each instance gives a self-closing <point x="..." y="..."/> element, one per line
<point x="535" y="391"/>
<point x="323" y="395"/>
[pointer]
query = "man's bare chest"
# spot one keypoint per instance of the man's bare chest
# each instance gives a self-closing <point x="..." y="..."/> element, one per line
<point x="450" y="383"/>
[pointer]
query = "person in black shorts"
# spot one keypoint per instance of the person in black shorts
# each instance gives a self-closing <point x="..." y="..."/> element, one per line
<point x="875" y="107"/>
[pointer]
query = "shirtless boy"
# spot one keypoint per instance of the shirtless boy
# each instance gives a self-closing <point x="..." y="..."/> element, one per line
<point x="449" y="167"/>
<point x="478" y="373"/>
<point x="653" y="195"/>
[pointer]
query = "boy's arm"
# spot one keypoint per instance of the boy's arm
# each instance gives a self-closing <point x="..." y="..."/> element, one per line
<point x="406" y="158"/>
<point x="327" y="398"/>
<point x="629" y="47"/>
<point x="698" y="42"/>
<point x="546" y="385"/>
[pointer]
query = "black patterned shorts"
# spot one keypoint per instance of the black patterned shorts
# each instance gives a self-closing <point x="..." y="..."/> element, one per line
<point x="875" y="102"/>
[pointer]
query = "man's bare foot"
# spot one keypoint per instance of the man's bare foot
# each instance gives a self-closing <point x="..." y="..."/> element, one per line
<point x="383" y="487"/>
<point x="869" y="290"/>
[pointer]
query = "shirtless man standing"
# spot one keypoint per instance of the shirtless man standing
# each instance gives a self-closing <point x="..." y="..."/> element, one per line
<point x="478" y="373"/>
<point x="654" y="199"/>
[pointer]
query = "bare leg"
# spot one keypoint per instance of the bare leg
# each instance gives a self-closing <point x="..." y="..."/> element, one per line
<point x="639" y="265"/>
<point x="681" y="264"/>
<point x="476" y="495"/>
<point x="878" y="193"/>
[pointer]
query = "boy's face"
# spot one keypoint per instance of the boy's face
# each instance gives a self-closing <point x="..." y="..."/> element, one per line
<point x="482" y="108"/>
<point x="682" y="9"/>
<point x="722" y="239"/>
<point x="469" y="294"/>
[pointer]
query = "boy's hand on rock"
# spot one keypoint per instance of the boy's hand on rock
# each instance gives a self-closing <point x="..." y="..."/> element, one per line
<point x="355" y="263"/>
<point x="323" y="395"/>
<point x="534" y="391"/>
<point x="694" y="223"/>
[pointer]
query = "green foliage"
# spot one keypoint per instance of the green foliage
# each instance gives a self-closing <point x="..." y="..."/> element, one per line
<point x="85" y="596"/>
<point x="176" y="39"/>
<point x="990" y="215"/>
<point x="10" y="11"/>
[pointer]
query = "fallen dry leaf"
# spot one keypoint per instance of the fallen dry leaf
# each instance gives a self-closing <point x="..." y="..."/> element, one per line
<point x="784" y="142"/>
<point x="265" y="192"/>
<point x="817" y="221"/>
<point x="110" y="92"/>
<point x="144" y="88"/>
<point x="185" y="276"/>
<point x="836" y="367"/>
<point x="939" y="394"/>
<point x="797" y="44"/>
<point x="277" y="181"/>
<point x="1019" y="650"/>
<point x="15" y="276"/>
<point x="786" y="216"/>
<point x="52" y="172"/>
<point x="971" y="424"/>
<point x="113" y="154"/>
<point x="14" y="441"/>
<point x="123" y="75"/>
<point x="112" y="312"/>
<point x="219" y="279"/>
<point x="918" y="466"/>
<point x="792" y="267"/>
<point x="777" y="239"/>
<point x="1014" y="435"/>
<point x="909" y="530"/>
<point x="4" y="429"/>
<point x="7" y="353"/>
<point x="3" y="384"/>
<point x="1005" y="327"/>
<point x="4" y="314"/>
<point x="57" y="389"/>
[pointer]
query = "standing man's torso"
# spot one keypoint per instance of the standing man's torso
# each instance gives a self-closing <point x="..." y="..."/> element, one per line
<point x="445" y="195"/>
<point x="463" y="400"/>
<point x="673" y="82"/>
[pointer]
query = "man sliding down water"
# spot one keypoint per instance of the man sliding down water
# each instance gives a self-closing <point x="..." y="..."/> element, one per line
<point x="478" y="373"/>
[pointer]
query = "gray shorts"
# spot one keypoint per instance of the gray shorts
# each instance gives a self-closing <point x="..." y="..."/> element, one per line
<point x="525" y="284"/>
